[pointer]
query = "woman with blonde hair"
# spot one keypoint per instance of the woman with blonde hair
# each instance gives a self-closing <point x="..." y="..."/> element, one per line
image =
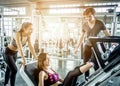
<point x="19" y="40"/>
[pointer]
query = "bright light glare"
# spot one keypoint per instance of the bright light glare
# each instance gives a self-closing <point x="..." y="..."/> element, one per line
<point x="62" y="9"/>
<point x="71" y="24"/>
<point x="67" y="5"/>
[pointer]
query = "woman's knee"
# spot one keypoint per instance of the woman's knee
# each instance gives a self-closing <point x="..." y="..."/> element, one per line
<point x="70" y="74"/>
<point x="75" y="72"/>
<point x="76" y="67"/>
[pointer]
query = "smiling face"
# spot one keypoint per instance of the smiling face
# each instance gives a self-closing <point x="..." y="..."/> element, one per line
<point x="89" y="17"/>
<point x="89" y="14"/>
<point x="47" y="61"/>
<point x="43" y="60"/>
<point x="28" y="30"/>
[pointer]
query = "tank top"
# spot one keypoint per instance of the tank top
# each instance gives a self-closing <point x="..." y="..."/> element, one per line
<point x="14" y="42"/>
<point x="52" y="78"/>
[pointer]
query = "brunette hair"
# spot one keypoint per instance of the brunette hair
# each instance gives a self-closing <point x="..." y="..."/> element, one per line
<point x="89" y="10"/>
<point x="41" y="58"/>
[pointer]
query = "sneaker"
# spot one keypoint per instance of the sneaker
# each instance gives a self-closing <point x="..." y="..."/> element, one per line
<point x="7" y="85"/>
<point x="86" y="78"/>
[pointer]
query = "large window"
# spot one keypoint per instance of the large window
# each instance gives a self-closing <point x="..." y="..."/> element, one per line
<point x="15" y="11"/>
<point x="75" y="8"/>
<point x="8" y="26"/>
<point x="64" y="9"/>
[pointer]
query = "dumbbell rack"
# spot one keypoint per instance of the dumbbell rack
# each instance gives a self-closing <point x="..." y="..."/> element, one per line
<point x="2" y="69"/>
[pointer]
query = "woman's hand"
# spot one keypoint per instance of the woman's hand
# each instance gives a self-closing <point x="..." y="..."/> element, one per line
<point x="36" y="58"/>
<point x="61" y="80"/>
<point x="76" y="51"/>
<point x="23" y="62"/>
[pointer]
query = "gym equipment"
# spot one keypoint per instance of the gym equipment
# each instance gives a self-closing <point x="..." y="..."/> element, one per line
<point x="2" y="65"/>
<point x="27" y="73"/>
<point x="110" y="66"/>
<point x="2" y="69"/>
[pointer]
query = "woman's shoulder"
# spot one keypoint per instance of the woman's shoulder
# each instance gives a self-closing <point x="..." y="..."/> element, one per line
<point x="17" y="34"/>
<point x="38" y="72"/>
<point x="42" y="73"/>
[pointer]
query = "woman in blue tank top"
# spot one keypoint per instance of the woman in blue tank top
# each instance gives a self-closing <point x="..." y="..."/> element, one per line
<point x="17" y="44"/>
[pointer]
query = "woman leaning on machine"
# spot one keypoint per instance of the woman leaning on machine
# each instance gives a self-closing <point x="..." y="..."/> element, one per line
<point x="19" y="40"/>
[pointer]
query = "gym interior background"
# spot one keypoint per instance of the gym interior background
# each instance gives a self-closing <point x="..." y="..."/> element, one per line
<point x="57" y="27"/>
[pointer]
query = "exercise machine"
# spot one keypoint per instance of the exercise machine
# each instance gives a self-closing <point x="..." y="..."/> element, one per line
<point x="109" y="65"/>
<point x="27" y="72"/>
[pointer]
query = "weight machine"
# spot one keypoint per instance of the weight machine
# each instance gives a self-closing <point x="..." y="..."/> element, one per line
<point x="109" y="66"/>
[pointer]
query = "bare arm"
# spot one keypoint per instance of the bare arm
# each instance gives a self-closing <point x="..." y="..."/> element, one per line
<point x="106" y="32"/>
<point x="19" y="45"/>
<point x="80" y="40"/>
<point x="31" y="48"/>
<point x="61" y="80"/>
<point x="41" y="78"/>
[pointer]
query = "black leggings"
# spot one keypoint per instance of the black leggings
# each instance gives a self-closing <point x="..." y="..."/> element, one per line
<point x="71" y="78"/>
<point x="10" y="59"/>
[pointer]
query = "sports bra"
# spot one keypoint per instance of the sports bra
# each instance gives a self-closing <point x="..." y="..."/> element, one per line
<point x="52" y="78"/>
<point x="14" y="42"/>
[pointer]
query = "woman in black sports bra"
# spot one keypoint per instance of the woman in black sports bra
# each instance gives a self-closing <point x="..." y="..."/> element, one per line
<point x="17" y="44"/>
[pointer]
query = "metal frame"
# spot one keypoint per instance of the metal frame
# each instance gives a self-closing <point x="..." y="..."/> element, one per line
<point x="103" y="75"/>
<point x="94" y="41"/>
